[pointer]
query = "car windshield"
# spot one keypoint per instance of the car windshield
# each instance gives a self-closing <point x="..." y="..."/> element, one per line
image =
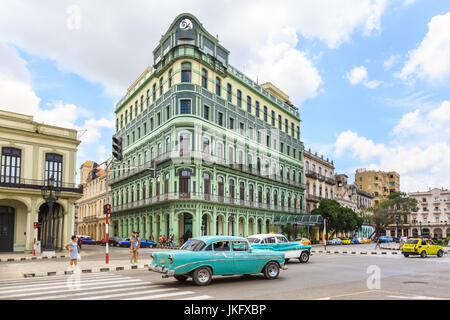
<point x="193" y="245"/>
<point x="253" y="240"/>
<point x="412" y="241"/>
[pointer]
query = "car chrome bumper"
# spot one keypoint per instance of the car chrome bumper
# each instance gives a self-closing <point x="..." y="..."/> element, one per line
<point x="163" y="270"/>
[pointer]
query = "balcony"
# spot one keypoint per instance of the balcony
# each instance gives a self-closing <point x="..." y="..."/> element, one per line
<point x="22" y="183"/>
<point x="311" y="174"/>
<point x="183" y="157"/>
<point x="321" y="177"/>
<point x="131" y="172"/>
<point x="313" y="198"/>
<point x="204" y="197"/>
<point x="331" y="181"/>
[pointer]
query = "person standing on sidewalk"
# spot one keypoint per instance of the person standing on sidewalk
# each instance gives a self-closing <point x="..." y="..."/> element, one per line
<point x="134" y="242"/>
<point x="72" y="247"/>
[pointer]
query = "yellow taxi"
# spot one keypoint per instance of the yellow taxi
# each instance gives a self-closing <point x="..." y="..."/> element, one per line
<point x="346" y="241"/>
<point x="421" y="247"/>
<point x="304" y="241"/>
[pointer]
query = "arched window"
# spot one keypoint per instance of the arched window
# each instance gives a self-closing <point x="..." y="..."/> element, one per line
<point x="167" y="145"/>
<point x="282" y="198"/>
<point x="185" y="144"/>
<point x="204" y="78"/>
<point x="239" y="98"/>
<point x="250" y="192"/>
<point x="249" y="104"/>
<point x="231" y="189"/>
<point x="186" y="72"/>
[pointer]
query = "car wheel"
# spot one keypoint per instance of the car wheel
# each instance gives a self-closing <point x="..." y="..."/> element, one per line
<point x="423" y="254"/>
<point x="304" y="257"/>
<point x="286" y="260"/>
<point x="440" y="253"/>
<point x="271" y="270"/>
<point x="406" y="255"/>
<point x="202" y="276"/>
<point x="181" y="278"/>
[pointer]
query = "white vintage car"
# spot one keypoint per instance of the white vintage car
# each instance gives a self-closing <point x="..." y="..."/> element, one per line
<point x="278" y="242"/>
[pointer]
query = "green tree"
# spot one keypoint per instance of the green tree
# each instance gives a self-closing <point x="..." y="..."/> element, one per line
<point x="340" y="219"/>
<point x="397" y="204"/>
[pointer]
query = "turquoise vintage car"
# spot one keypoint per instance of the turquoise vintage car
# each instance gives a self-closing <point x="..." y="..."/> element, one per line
<point x="202" y="257"/>
<point x="279" y="243"/>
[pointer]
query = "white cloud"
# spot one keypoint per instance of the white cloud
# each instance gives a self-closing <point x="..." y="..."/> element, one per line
<point x="419" y="150"/>
<point x="83" y="44"/>
<point x="431" y="60"/>
<point x="388" y="64"/>
<point x="359" y="75"/>
<point x="17" y="95"/>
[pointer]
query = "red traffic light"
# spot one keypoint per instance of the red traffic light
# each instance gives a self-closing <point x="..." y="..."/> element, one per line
<point x="107" y="208"/>
<point x="35" y="225"/>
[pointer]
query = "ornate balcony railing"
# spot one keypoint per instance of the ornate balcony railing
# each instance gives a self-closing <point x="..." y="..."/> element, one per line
<point x="311" y="174"/>
<point x="130" y="172"/>
<point x="204" y="197"/>
<point x="13" y="182"/>
<point x="312" y="197"/>
<point x="331" y="181"/>
<point x="185" y="156"/>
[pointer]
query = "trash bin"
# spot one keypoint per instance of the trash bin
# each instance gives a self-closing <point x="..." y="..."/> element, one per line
<point x="37" y="247"/>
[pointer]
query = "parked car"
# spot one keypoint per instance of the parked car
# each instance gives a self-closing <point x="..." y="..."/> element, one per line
<point x="354" y="241"/>
<point x="422" y="247"/>
<point x="87" y="240"/>
<point x="145" y="243"/>
<point x="113" y="241"/>
<point x="278" y="242"/>
<point x="305" y="241"/>
<point x="385" y="239"/>
<point x="335" y="241"/>
<point x="125" y="243"/>
<point x="346" y="241"/>
<point x="203" y="257"/>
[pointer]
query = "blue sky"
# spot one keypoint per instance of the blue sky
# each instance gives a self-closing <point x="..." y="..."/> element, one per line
<point x="370" y="76"/>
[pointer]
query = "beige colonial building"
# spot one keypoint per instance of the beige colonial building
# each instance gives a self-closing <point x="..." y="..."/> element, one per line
<point x="320" y="182"/>
<point x="378" y="183"/>
<point x="433" y="217"/>
<point x="31" y="153"/>
<point x="90" y="218"/>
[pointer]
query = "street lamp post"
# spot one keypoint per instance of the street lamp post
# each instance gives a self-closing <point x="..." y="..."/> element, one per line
<point x="396" y="225"/>
<point x="50" y="194"/>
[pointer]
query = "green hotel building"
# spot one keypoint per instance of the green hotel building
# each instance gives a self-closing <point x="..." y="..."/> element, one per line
<point x="206" y="150"/>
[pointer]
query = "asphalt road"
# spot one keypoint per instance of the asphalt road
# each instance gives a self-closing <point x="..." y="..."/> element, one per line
<point x="325" y="276"/>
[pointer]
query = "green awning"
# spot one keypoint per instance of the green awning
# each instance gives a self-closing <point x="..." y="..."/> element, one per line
<point x="301" y="219"/>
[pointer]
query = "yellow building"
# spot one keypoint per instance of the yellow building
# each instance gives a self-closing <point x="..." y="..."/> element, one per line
<point x="90" y="218"/>
<point x="31" y="154"/>
<point x="378" y="183"/>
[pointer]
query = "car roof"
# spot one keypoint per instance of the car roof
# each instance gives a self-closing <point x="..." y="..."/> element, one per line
<point x="264" y="235"/>
<point x="209" y="239"/>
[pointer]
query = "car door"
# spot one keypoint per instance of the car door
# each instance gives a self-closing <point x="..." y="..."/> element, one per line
<point x="244" y="261"/>
<point x="222" y="257"/>
<point x="432" y="248"/>
<point x="282" y="243"/>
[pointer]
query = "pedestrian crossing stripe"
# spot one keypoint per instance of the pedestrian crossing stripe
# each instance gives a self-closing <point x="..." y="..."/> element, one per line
<point x="90" y="287"/>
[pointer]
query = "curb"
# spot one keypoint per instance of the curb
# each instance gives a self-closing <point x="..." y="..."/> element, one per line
<point x="353" y="252"/>
<point x="31" y="258"/>
<point x="92" y="270"/>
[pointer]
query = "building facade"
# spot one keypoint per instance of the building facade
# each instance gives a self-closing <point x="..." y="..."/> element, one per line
<point x="433" y="217"/>
<point x="31" y="154"/>
<point x="378" y="183"/>
<point x="320" y="181"/>
<point x="90" y="218"/>
<point x="350" y="196"/>
<point x="206" y="149"/>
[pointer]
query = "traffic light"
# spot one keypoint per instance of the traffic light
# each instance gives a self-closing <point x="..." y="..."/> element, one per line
<point x="37" y="225"/>
<point x="94" y="171"/>
<point x="107" y="209"/>
<point x="117" y="148"/>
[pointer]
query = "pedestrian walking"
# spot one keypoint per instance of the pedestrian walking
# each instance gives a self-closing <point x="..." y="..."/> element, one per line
<point x="160" y="240"/>
<point x="171" y="240"/>
<point x="377" y="241"/>
<point x="74" y="254"/>
<point x="79" y="242"/>
<point x="134" y="243"/>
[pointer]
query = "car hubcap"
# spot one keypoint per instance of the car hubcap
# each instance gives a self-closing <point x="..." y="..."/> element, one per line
<point x="272" y="270"/>
<point x="304" y="257"/>
<point x="203" y="276"/>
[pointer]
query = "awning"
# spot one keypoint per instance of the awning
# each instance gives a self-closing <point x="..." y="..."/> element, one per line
<point x="301" y="219"/>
